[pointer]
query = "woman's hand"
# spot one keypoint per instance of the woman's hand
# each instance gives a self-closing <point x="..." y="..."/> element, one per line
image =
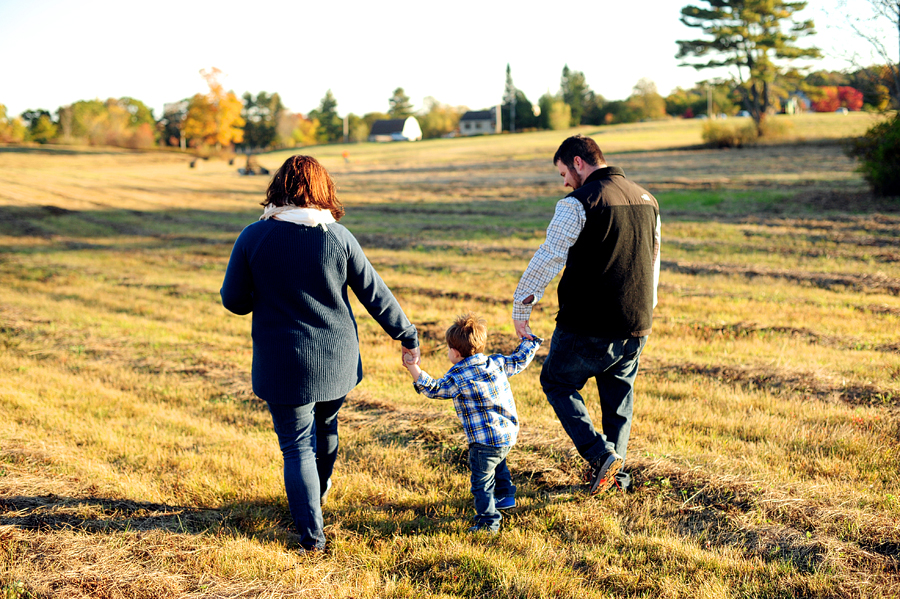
<point x="410" y="362"/>
<point x="413" y="355"/>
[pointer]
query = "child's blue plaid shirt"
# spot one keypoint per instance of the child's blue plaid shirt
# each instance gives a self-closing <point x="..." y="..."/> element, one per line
<point x="479" y="388"/>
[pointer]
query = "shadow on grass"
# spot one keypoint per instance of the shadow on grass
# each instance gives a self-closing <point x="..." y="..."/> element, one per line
<point x="419" y="225"/>
<point x="263" y="520"/>
<point x="124" y="231"/>
<point x="94" y="514"/>
<point x="61" y="151"/>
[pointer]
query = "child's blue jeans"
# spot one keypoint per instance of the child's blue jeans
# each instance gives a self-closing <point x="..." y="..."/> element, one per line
<point x="490" y="478"/>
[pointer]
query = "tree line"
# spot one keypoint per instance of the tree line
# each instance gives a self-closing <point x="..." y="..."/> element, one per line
<point x="220" y="118"/>
<point x="756" y="40"/>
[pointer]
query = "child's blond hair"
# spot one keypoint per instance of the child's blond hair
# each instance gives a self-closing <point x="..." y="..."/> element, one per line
<point x="467" y="335"/>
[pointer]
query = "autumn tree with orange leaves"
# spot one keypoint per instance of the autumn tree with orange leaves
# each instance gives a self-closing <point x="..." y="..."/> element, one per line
<point x="214" y="119"/>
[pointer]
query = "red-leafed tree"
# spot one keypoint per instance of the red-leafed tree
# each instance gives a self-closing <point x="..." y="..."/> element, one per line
<point x="850" y="98"/>
<point x="828" y="100"/>
<point x="833" y="97"/>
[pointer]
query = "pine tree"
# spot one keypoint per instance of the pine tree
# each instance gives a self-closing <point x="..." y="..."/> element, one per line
<point x="331" y="126"/>
<point x="262" y="115"/>
<point x="400" y="107"/>
<point x="751" y="36"/>
<point x="575" y="92"/>
<point x="510" y="99"/>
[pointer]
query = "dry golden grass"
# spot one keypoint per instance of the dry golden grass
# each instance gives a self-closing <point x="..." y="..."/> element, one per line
<point x="135" y="461"/>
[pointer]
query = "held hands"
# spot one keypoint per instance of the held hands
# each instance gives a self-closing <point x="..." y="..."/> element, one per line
<point x="409" y="356"/>
<point x="410" y="359"/>
<point x="523" y="331"/>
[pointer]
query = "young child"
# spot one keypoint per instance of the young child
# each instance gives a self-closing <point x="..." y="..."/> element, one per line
<point x="479" y="388"/>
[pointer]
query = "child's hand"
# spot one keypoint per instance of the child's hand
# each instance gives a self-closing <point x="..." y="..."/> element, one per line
<point x="410" y="362"/>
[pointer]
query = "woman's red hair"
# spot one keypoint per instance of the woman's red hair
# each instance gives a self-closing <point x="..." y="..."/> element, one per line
<point x="303" y="182"/>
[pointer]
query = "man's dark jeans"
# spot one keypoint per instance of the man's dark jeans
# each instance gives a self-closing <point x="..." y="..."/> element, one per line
<point x="308" y="437"/>
<point x="490" y="479"/>
<point x="572" y="360"/>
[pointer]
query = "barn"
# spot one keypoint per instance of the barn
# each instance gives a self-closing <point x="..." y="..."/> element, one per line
<point x="396" y="130"/>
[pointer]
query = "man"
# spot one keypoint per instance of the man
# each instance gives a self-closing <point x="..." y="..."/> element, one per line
<point x="606" y="233"/>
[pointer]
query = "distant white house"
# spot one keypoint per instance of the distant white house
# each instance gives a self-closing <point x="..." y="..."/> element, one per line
<point x="481" y="122"/>
<point x="396" y="130"/>
<point x="797" y="103"/>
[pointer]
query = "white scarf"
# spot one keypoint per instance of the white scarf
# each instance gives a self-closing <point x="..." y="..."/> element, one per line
<point x="311" y="217"/>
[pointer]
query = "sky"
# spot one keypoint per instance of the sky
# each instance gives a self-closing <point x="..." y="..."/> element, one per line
<point x="56" y="52"/>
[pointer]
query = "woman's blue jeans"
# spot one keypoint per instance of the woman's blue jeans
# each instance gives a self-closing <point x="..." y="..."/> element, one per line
<point x="490" y="478"/>
<point x="613" y="363"/>
<point x="308" y="437"/>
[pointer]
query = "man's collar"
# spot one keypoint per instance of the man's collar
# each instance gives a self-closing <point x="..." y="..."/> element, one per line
<point x="603" y="173"/>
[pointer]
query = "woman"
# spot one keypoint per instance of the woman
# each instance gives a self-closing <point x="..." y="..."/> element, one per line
<point x="292" y="270"/>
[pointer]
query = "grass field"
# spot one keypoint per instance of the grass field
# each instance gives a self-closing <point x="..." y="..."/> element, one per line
<point x="136" y="462"/>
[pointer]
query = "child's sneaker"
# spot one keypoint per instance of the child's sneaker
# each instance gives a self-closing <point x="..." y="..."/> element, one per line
<point x="482" y="529"/>
<point x="505" y="503"/>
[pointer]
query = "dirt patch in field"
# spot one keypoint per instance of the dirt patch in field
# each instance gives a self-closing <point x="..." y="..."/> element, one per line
<point x="804" y="384"/>
<point x="880" y="309"/>
<point x="745" y="330"/>
<point x="458" y="296"/>
<point x="862" y="283"/>
<point x="840" y="201"/>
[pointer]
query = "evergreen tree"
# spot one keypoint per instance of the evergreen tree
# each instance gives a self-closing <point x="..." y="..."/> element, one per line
<point x="749" y="35"/>
<point x="262" y="115"/>
<point x="331" y="126"/>
<point x="510" y="99"/>
<point x="518" y="113"/>
<point x="574" y="90"/>
<point x="400" y="106"/>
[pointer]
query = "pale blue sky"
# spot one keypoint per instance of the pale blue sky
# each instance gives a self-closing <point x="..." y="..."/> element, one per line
<point x="56" y="52"/>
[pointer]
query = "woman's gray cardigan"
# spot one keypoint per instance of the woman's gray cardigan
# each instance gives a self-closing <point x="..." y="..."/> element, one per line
<point x="294" y="279"/>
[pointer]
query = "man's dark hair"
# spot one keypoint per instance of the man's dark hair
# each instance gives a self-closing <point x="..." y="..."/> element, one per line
<point x="579" y="145"/>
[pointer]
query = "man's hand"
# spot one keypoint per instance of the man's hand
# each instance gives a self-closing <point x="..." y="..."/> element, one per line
<point x="409" y="356"/>
<point x="522" y="329"/>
